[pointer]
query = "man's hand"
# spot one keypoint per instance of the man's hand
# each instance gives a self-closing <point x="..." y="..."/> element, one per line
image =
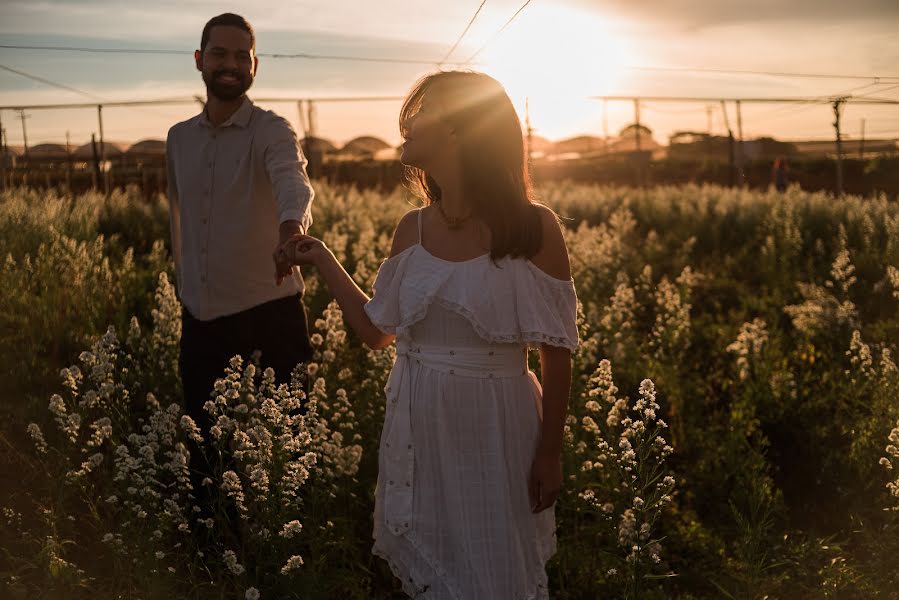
<point x="303" y="250"/>
<point x="283" y="266"/>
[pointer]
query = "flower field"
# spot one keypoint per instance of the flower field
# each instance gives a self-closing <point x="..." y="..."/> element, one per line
<point x="733" y="428"/>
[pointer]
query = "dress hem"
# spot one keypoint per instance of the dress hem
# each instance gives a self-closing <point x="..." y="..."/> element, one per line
<point x="412" y="588"/>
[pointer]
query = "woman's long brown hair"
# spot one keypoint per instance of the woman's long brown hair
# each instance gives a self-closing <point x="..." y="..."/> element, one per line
<point x="494" y="164"/>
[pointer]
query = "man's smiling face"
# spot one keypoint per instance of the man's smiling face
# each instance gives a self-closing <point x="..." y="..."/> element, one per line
<point x="228" y="62"/>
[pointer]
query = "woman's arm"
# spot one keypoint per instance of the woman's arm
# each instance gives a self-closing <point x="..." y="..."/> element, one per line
<point x="307" y="250"/>
<point x="555" y="368"/>
<point x="546" y="471"/>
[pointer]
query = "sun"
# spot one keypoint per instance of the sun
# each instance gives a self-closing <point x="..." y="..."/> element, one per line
<point x="556" y="57"/>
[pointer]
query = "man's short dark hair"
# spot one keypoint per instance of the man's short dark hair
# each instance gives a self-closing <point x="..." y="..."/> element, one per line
<point x="228" y="20"/>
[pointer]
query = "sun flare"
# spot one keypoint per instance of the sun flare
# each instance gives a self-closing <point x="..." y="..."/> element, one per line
<point x="557" y="56"/>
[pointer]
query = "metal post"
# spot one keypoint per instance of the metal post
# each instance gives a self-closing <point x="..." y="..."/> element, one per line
<point x="23" y="116"/>
<point x="637" y="140"/>
<point x="730" y="145"/>
<point x="96" y="155"/>
<point x="103" y="171"/>
<point x="605" y="123"/>
<point x="637" y="122"/>
<point x="315" y="158"/>
<point x="2" y="157"/>
<point x="68" y="165"/>
<point x="861" y="148"/>
<point x="837" y="105"/>
<point x="741" y="156"/>
<point x="302" y="118"/>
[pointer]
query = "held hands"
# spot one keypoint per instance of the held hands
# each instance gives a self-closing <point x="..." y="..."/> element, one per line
<point x="300" y="249"/>
<point x="545" y="481"/>
<point x="283" y="267"/>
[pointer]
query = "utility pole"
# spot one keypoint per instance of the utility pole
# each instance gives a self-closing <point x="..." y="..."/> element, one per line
<point x="837" y="107"/>
<point x="315" y="158"/>
<point x="2" y="157"/>
<point x="637" y="124"/>
<point x="861" y="148"/>
<point x="638" y="143"/>
<point x="730" y="145"/>
<point x="302" y="118"/>
<point x="96" y="156"/>
<point x="68" y="165"/>
<point x="741" y="157"/>
<point x="105" y="173"/>
<point x="605" y="123"/>
<point x="23" y="116"/>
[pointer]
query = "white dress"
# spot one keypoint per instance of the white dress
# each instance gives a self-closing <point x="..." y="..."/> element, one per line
<point x="452" y="514"/>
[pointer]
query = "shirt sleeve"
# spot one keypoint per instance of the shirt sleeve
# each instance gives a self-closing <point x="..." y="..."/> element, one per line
<point x="174" y="205"/>
<point x="285" y="165"/>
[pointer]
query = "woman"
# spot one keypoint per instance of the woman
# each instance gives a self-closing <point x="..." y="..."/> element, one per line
<point x="470" y="453"/>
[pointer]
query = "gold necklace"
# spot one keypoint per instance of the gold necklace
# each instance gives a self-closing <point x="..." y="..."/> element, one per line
<point x="451" y="222"/>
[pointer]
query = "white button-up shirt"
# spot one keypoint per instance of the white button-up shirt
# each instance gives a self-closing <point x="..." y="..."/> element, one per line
<point x="229" y="188"/>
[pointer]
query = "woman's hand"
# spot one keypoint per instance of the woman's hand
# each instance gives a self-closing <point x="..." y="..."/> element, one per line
<point x="545" y="481"/>
<point x="302" y="249"/>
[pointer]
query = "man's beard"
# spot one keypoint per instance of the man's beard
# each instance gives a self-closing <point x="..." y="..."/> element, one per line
<point x="227" y="91"/>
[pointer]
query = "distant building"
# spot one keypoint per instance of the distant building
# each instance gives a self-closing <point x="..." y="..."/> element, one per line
<point x="364" y="147"/>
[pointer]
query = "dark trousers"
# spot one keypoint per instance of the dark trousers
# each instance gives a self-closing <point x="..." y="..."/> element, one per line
<point x="278" y="329"/>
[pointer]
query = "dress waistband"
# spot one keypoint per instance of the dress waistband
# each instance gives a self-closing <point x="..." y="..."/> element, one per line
<point x="487" y="362"/>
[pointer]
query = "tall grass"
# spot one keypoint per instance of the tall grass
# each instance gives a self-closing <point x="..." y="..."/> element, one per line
<point x="745" y="447"/>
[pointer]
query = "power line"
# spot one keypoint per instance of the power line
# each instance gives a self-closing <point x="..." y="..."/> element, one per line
<point x="61" y="86"/>
<point x="496" y="35"/>
<point x="462" y="35"/>
<point x="192" y="100"/>
<point x="168" y="51"/>
<point x="892" y="78"/>
<point x="759" y="100"/>
<point x="48" y="82"/>
<point x="881" y="90"/>
<point x="354" y="58"/>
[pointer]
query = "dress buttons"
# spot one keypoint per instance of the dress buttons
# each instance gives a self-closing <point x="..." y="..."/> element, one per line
<point x="452" y="371"/>
<point x="409" y="447"/>
<point x="490" y="353"/>
<point x="390" y="483"/>
<point x="452" y="352"/>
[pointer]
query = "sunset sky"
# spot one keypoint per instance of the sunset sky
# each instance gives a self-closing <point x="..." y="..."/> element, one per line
<point x="556" y="53"/>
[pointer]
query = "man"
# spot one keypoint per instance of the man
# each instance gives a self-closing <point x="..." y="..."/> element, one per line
<point x="238" y="189"/>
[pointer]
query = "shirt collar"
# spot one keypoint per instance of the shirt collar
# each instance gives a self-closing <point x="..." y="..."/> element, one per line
<point x="241" y="116"/>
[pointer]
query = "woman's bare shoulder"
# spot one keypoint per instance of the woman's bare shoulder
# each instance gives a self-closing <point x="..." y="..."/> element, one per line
<point x="406" y="232"/>
<point x="552" y="257"/>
